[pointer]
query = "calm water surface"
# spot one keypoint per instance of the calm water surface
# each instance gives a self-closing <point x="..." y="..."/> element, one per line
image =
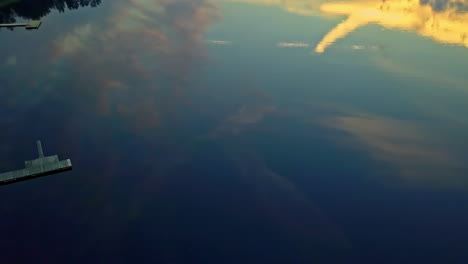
<point x="240" y="131"/>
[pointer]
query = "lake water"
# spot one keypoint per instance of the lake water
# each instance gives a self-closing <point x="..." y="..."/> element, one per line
<point x="236" y="131"/>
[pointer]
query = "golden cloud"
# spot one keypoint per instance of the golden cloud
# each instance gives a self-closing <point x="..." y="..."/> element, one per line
<point x="446" y="26"/>
<point x="420" y="157"/>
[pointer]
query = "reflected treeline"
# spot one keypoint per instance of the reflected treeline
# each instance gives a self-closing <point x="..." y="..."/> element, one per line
<point x="441" y="5"/>
<point x="36" y="9"/>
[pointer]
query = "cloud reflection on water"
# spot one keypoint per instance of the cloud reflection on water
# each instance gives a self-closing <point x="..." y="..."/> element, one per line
<point x="130" y="84"/>
<point x="446" y="26"/>
<point x="441" y="21"/>
<point x="419" y="156"/>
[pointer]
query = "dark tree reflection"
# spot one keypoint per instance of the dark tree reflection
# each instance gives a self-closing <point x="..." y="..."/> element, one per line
<point x="36" y="9"/>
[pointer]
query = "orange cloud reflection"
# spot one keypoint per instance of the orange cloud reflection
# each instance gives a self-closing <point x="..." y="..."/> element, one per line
<point x="446" y="26"/>
<point x="421" y="158"/>
<point x="444" y="21"/>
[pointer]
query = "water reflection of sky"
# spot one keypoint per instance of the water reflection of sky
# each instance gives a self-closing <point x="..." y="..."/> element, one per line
<point x="443" y="21"/>
<point x="241" y="131"/>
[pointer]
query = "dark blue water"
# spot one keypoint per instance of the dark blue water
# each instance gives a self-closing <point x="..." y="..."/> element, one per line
<point x="216" y="132"/>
